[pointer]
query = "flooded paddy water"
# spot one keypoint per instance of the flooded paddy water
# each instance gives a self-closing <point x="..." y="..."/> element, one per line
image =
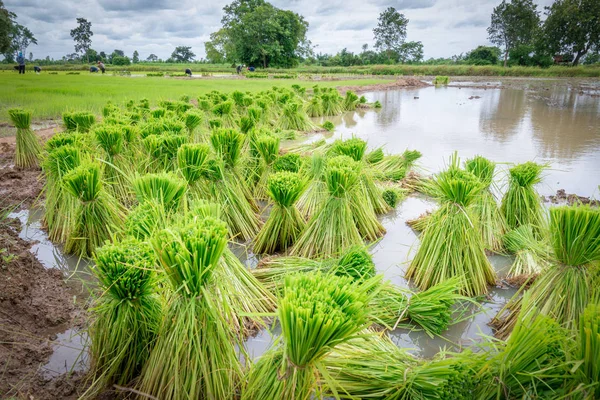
<point x="557" y="124"/>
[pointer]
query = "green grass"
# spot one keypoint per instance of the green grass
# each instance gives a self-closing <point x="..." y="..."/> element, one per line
<point x="48" y="96"/>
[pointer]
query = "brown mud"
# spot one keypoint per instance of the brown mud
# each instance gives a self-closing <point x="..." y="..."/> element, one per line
<point x="400" y="83"/>
<point x="562" y="197"/>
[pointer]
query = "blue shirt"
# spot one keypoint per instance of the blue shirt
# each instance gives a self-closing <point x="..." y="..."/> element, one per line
<point x="21" y="60"/>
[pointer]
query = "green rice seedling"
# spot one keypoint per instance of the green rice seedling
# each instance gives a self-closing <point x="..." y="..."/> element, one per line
<point x="521" y="203"/>
<point x="144" y="220"/>
<point x="316" y="314"/>
<point x="64" y="139"/>
<point x="530" y="254"/>
<point x="314" y="108"/>
<point x="533" y="360"/>
<point x="294" y="117"/>
<point x="316" y="192"/>
<point x="192" y="119"/>
<point x="126" y="316"/>
<point x="289" y="162"/>
<point x="272" y="271"/>
<point x="268" y="147"/>
<point x="284" y="225"/>
<point x="356" y="263"/>
<point x="377" y="104"/>
<point x="195" y="353"/>
<point x="420" y="223"/>
<point x="164" y="188"/>
<point x="451" y="245"/>
<point x="110" y="110"/>
<point x="332" y="229"/>
<point x="94" y="215"/>
<point x="191" y="160"/>
<point x="28" y="147"/>
<point x="158" y="112"/>
<point x="117" y="168"/>
<point x="431" y="309"/>
<point x="331" y="103"/>
<point x="162" y="126"/>
<point x="288" y="134"/>
<point x="392" y="196"/>
<point x="83" y="121"/>
<point x="328" y="126"/>
<point x="588" y="350"/>
<point x="204" y="104"/>
<point x="441" y="80"/>
<point x="225" y="112"/>
<point x="246" y="124"/>
<point x="68" y="122"/>
<point x="58" y="216"/>
<point x="255" y="113"/>
<point x="228" y="144"/>
<point x="492" y="224"/>
<point x="162" y="150"/>
<point x="374" y="156"/>
<point x="351" y="101"/>
<point x="362" y="100"/>
<point x="215" y="124"/>
<point x="565" y="288"/>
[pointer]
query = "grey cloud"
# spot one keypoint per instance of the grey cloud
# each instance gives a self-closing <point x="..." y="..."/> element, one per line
<point x="355" y="25"/>
<point x="405" y="4"/>
<point x="471" y="23"/>
<point x="143" y="5"/>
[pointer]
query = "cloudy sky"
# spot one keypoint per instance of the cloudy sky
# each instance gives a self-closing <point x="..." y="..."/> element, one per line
<point x="446" y="27"/>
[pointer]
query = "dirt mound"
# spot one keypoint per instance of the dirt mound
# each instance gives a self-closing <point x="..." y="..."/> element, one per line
<point x="35" y="304"/>
<point x="401" y="83"/>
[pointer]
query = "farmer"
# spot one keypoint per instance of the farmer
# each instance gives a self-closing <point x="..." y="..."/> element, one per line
<point x="238" y="69"/>
<point x="37" y="69"/>
<point x="21" y="61"/>
<point x="251" y="69"/>
<point x="101" y="66"/>
<point x="93" y="69"/>
<point x="188" y="72"/>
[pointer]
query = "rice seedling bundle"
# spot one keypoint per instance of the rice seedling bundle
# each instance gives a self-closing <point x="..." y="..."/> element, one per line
<point x="375" y="156"/>
<point x="284" y="225"/>
<point x="145" y="220"/>
<point x="64" y="139"/>
<point x="289" y="162"/>
<point x="431" y="309"/>
<point x="328" y="126"/>
<point x="521" y="203"/>
<point x="314" y="108"/>
<point x="164" y="188"/>
<point x="126" y="316"/>
<point x="315" y="194"/>
<point x="192" y="119"/>
<point x="204" y="104"/>
<point x="68" y="121"/>
<point x="162" y="126"/>
<point x="350" y="101"/>
<point x="215" y="123"/>
<point x="158" y="113"/>
<point x="362" y="100"/>
<point x="451" y="245"/>
<point x="246" y="124"/>
<point x="191" y="160"/>
<point x="533" y="362"/>
<point x="255" y="114"/>
<point x="83" y="121"/>
<point x="228" y="143"/>
<point x="225" y="112"/>
<point x="162" y="150"/>
<point x="294" y="117"/>
<point x="268" y="147"/>
<point x="332" y="229"/>
<point x="565" y="288"/>
<point x="59" y="204"/>
<point x="110" y="110"/>
<point x="28" y="147"/>
<point x="110" y="139"/>
<point x="530" y="254"/>
<point x="588" y="349"/>
<point x="331" y="104"/>
<point x="316" y="314"/>
<point x="441" y="80"/>
<point x="355" y="263"/>
<point x="195" y="355"/>
<point x="377" y="104"/>
<point x="392" y="196"/>
<point x="492" y="225"/>
<point x="95" y="213"/>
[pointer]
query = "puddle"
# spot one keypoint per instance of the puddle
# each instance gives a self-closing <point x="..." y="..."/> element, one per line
<point x="70" y="354"/>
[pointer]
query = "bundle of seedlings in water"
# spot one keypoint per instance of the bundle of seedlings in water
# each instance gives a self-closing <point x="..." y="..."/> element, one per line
<point x="315" y="194"/>
<point x="530" y="254"/>
<point x="331" y="104"/>
<point x="162" y="150"/>
<point x="294" y="117"/>
<point x="195" y="353"/>
<point x="372" y="366"/>
<point x="431" y="309"/>
<point x="332" y="229"/>
<point x="563" y="290"/>
<point x="588" y="350"/>
<point x="350" y="101"/>
<point x="284" y="225"/>
<point x="117" y="167"/>
<point x="95" y="213"/>
<point x="316" y="314"/>
<point x="532" y="361"/>
<point x="328" y="126"/>
<point x="289" y="162"/>
<point x="268" y="147"/>
<point x="58" y="215"/>
<point x="492" y="224"/>
<point x="375" y="156"/>
<point x="164" y="188"/>
<point x="82" y="121"/>
<point x="126" y="316"/>
<point x="441" y="80"/>
<point x="28" y="146"/>
<point x="191" y="161"/>
<point x="420" y="223"/>
<point x="144" y="220"/>
<point x="521" y="203"/>
<point x="314" y="107"/>
<point x="451" y="245"/>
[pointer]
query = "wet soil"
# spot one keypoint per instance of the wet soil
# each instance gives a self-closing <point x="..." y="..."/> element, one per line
<point x="562" y="197"/>
<point x="35" y="305"/>
<point x="401" y="83"/>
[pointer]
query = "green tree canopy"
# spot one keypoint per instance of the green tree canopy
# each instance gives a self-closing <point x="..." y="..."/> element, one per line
<point x="390" y="32"/>
<point x="514" y="23"/>
<point x="573" y="26"/>
<point x="136" y="57"/>
<point x="484" y="55"/>
<point x="183" y="54"/>
<point x="82" y="35"/>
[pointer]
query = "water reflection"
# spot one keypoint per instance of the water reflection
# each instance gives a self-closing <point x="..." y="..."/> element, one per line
<point x="502" y="113"/>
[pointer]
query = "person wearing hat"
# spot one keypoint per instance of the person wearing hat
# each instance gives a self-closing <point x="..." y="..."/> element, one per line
<point x="21" y="62"/>
<point x="101" y="66"/>
<point x="188" y="72"/>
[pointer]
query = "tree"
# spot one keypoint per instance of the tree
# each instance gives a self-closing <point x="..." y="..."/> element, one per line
<point x="410" y="52"/>
<point x="30" y="56"/>
<point x="7" y="22"/>
<point x="152" y="58"/>
<point x="484" y="55"/>
<point x="102" y="56"/>
<point x="390" y="32"/>
<point x="120" y="60"/>
<point x="183" y="54"/>
<point x="136" y="57"/>
<point x="82" y="35"/>
<point x="513" y="23"/>
<point x="573" y="26"/>
<point x="215" y="49"/>
<point x="91" y="55"/>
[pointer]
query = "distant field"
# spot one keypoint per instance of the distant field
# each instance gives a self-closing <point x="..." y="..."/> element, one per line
<point x="404" y="69"/>
<point x="49" y="95"/>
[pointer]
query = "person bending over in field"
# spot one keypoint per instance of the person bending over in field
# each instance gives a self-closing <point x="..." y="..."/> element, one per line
<point x="37" y="69"/>
<point x="21" y="61"/>
<point x="101" y="66"/>
<point x="188" y="72"/>
<point x="93" y="69"/>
